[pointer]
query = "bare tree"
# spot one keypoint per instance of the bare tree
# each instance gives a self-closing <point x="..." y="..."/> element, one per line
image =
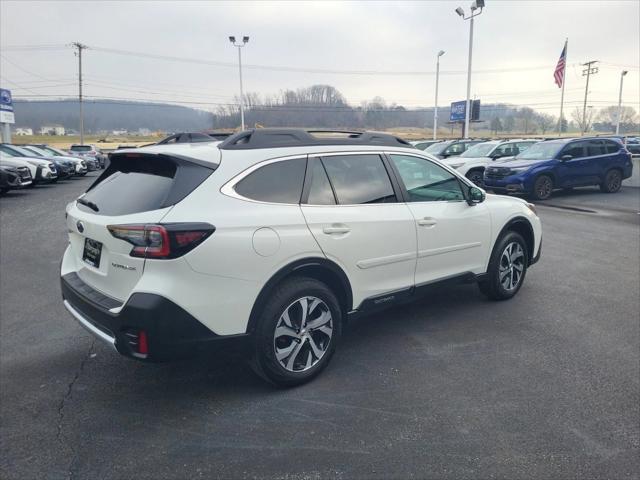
<point x="545" y="122"/>
<point x="583" y="123"/>
<point x="610" y="115"/>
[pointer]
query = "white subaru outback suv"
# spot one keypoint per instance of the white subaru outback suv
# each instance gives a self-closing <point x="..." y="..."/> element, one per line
<point x="272" y="239"/>
<point x="473" y="162"/>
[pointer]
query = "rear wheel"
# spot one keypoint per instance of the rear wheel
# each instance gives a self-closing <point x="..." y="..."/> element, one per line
<point x="542" y="187"/>
<point x="297" y="332"/>
<point x="477" y="177"/>
<point x="507" y="267"/>
<point x="612" y="182"/>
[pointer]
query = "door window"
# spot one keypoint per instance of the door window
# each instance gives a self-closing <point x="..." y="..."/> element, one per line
<point x="279" y="182"/>
<point x="505" y="150"/>
<point x="320" y="192"/>
<point x="455" y="149"/>
<point x="595" y="147"/>
<point x="575" y="149"/>
<point x="425" y="181"/>
<point x="358" y="179"/>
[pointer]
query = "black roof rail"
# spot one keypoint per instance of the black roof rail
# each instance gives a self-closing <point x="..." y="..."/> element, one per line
<point x="296" y="137"/>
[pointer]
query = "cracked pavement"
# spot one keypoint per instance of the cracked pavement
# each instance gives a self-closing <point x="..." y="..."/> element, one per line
<point x="543" y="386"/>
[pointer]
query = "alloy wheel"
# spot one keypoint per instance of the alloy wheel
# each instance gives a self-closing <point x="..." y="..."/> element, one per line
<point x="303" y="334"/>
<point x="511" y="266"/>
<point x="614" y="181"/>
<point x="476" y="177"/>
<point x="543" y="187"/>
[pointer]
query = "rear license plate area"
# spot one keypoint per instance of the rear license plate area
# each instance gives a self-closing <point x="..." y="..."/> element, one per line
<point x="92" y="252"/>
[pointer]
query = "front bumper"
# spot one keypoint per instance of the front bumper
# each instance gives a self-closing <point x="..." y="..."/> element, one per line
<point x="170" y="331"/>
<point x="510" y="184"/>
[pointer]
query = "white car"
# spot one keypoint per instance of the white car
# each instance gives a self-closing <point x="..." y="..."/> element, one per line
<point x="272" y="239"/>
<point x="472" y="163"/>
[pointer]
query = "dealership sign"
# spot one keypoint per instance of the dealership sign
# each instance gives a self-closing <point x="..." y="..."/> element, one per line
<point x="459" y="111"/>
<point x="6" y="107"/>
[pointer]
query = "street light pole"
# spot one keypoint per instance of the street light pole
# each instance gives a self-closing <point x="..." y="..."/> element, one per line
<point x="587" y="72"/>
<point x="435" y="111"/>
<point x="624" y="72"/>
<point x="476" y="5"/>
<point x="239" y="46"/>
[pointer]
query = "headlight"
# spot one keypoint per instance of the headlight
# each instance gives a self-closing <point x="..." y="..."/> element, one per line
<point x="532" y="207"/>
<point x="456" y="165"/>
<point x="519" y="169"/>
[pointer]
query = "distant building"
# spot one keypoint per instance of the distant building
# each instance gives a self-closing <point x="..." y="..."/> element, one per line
<point x="144" y="132"/>
<point x="52" y="130"/>
<point x="22" y="131"/>
<point x="119" y="132"/>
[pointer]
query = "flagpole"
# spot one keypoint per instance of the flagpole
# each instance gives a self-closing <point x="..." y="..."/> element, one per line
<point x="564" y="80"/>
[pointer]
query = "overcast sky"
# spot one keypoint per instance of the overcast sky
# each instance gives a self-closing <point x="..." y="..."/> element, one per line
<point x="521" y="39"/>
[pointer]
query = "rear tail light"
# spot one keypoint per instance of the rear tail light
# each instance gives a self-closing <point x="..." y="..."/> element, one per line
<point x="169" y="240"/>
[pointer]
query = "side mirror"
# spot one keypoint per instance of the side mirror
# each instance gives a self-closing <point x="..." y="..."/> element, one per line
<point x="476" y="195"/>
<point x="564" y="158"/>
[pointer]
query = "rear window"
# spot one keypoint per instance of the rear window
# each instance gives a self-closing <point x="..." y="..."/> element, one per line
<point x="81" y="148"/>
<point x="141" y="184"/>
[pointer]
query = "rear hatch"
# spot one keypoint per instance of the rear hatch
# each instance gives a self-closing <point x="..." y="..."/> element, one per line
<point x="135" y="191"/>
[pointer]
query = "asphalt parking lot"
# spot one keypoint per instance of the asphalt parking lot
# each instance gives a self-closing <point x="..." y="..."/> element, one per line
<point x="546" y="385"/>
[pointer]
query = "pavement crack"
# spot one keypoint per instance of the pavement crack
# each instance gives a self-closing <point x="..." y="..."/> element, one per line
<point x="63" y="402"/>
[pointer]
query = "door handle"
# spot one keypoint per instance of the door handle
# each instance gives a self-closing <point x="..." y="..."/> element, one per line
<point x="427" y="222"/>
<point x="335" y="230"/>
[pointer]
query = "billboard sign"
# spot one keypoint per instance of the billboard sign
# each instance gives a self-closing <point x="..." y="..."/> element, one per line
<point x="6" y="107"/>
<point x="459" y="111"/>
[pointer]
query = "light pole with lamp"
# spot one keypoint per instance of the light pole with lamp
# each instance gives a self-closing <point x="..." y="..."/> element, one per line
<point x="239" y="46"/>
<point x="624" y="72"/>
<point x="475" y="6"/>
<point x="435" y="111"/>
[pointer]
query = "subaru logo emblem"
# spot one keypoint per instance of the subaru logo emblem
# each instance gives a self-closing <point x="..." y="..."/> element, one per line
<point x="80" y="226"/>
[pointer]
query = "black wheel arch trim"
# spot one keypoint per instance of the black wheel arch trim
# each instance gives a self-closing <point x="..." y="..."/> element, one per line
<point x="298" y="266"/>
<point x="509" y="227"/>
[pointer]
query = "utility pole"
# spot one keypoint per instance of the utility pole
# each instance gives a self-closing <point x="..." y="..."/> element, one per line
<point x="239" y="46"/>
<point x="80" y="47"/>
<point x="587" y="72"/>
<point x="624" y="72"/>
<point x="435" y="111"/>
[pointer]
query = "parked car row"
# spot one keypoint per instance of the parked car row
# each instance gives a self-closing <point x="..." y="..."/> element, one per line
<point x="29" y="165"/>
<point x="537" y="167"/>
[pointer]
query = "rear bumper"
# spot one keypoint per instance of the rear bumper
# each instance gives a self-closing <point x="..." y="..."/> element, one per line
<point x="170" y="331"/>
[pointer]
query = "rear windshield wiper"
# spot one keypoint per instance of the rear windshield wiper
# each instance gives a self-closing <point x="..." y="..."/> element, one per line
<point x="88" y="203"/>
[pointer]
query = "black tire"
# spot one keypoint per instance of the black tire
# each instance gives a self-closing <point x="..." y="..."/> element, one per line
<point x="542" y="187"/>
<point x="284" y="298"/>
<point x="492" y="286"/>
<point x="612" y="181"/>
<point x="477" y="177"/>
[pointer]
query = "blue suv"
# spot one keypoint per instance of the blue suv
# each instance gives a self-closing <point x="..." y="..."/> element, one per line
<point x="565" y="163"/>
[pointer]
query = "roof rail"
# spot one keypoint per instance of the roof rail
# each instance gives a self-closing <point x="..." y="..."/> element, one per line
<point x="296" y="137"/>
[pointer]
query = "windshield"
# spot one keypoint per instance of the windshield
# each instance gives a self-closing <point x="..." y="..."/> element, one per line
<point x="25" y="152"/>
<point x="437" y="147"/>
<point x="37" y="151"/>
<point x="53" y="151"/>
<point x="541" y="151"/>
<point x="479" y="150"/>
<point x="81" y="148"/>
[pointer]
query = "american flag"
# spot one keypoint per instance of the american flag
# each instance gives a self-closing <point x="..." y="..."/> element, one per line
<point x="558" y="74"/>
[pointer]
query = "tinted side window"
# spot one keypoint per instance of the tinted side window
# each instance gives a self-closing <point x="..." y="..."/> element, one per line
<point x="576" y="149"/>
<point x="455" y="148"/>
<point x="523" y="146"/>
<point x="611" y="147"/>
<point x="506" y="150"/>
<point x="279" y="182"/>
<point x="320" y="192"/>
<point x="595" y="147"/>
<point x="359" y="179"/>
<point x="425" y="181"/>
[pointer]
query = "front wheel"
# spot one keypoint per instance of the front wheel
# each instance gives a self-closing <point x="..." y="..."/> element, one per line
<point x="477" y="177"/>
<point x="542" y="187"/>
<point x="297" y="332"/>
<point x="507" y="267"/>
<point x="612" y="182"/>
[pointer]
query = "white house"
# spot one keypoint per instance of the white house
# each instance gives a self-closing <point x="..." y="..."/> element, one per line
<point x="22" y="131"/>
<point x="52" y="130"/>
